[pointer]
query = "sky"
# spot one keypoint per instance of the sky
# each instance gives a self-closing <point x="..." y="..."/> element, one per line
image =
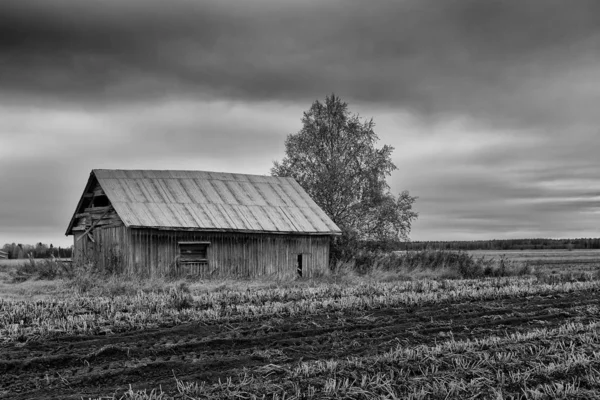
<point x="491" y="106"/>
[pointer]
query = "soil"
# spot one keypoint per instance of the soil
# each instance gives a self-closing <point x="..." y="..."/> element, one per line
<point x="89" y="367"/>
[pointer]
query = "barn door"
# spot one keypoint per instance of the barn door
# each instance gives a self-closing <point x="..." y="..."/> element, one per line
<point x="302" y="264"/>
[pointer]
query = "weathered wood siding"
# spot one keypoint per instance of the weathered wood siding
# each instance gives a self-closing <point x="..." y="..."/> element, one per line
<point x="133" y="221"/>
<point x="80" y="248"/>
<point x="107" y="251"/>
<point x="155" y="253"/>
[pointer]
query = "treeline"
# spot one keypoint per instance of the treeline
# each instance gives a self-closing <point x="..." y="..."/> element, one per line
<point x="507" y="244"/>
<point x="39" y="250"/>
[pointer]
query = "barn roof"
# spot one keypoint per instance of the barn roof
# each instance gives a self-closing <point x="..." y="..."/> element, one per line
<point x="202" y="200"/>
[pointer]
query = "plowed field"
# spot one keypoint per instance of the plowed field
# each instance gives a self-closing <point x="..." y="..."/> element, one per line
<point x="75" y="367"/>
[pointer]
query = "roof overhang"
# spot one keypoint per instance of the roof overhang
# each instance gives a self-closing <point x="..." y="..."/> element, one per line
<point x="214" y="230"/>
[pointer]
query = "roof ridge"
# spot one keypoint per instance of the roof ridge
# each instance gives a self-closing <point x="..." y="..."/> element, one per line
<point x="183" y="171"/>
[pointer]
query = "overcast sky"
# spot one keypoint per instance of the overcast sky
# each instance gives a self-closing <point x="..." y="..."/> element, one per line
<point x="492" y="106"/>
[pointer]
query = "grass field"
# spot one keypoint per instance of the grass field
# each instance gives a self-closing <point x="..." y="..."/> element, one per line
<point x="542" y="256"/>
<point x="15" y="263"/>
<point x="549" y="261"/>
<point x="11" y="263"/>
<point x="531" y="337"/>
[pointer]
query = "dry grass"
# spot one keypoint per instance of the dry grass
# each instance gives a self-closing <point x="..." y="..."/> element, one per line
<point x="537" y="363"/>
<point x="540" y="255"/>
<point x="31" y="290"/>
<point x="550" y="263"/>
<point x="559" y="262"/>
<point x="28" y="289"/>
<point x="9" y="264"/>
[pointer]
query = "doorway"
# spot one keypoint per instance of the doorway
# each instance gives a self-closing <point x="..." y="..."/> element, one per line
<point x="299" y="268"/>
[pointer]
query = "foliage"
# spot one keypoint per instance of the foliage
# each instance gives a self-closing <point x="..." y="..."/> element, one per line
<point x="109" y="313"/>
<point x="46" y="269"/>
<point x="39" y="250"/>
<point x="549" y="348"/>
<point x="334" y="158"/>
<point x="451" y="264"/>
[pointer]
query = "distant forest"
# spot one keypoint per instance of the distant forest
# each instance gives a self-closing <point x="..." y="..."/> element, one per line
<point x="508" y="244"/>
<point x="40" y="250"/>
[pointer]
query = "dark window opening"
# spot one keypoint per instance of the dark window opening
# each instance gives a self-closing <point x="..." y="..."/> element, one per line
<point x="299" y="269"/>
<point x="100" y="201"/>
<point x="193" y="252"/>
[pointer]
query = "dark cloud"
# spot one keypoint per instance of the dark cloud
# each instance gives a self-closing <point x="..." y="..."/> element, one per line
<point x="474" y="183"/>
<point x="505" y="95"/>
<point x="507" y="61"/>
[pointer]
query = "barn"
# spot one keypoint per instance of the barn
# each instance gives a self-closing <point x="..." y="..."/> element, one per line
<point x="151" y="223"/>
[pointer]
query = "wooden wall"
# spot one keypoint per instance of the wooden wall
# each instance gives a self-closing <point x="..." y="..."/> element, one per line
<point x="155" y="253"/>
<point x="105" y="247"/>
<point x="151" y="252"/>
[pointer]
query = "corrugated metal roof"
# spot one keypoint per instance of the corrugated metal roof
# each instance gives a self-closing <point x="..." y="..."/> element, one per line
<point x="212" y="201"/>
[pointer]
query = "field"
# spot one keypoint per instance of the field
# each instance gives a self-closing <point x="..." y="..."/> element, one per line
<point x="533" y="337"/>
<point x="549" y="261"/>
<point x="11" y="263"/>
<point x="14" y="263"/>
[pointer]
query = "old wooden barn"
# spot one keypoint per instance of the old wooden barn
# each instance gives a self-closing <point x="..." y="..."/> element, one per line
<point x="209" y="224"/>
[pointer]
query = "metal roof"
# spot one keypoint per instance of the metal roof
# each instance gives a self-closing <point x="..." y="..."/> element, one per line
<point x="202" y="200"/>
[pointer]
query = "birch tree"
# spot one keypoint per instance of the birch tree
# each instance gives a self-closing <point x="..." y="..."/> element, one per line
<point x="335" y="159"/>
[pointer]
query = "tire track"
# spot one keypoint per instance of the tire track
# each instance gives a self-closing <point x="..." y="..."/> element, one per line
<point x="68" y="367"/>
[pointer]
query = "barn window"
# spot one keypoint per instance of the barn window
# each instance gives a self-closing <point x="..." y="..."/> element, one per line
<point x="193" y="252"/>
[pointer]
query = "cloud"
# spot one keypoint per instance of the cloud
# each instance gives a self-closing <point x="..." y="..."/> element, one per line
<point x="474" y="183"/>
<point x="510" y="62"/>
<point x="48" y="153"/>
<point x="491" y="106"/>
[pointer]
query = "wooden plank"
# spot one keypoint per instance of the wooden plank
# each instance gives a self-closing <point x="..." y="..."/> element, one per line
<point x="177" y="190"/>
<point x="238" y="192"/>
<point x="229" y="254"/>
<point x="147" y="190"/>
<point x="209" y="191"/>
<point x="253" y="194"/>
<point x="224" y="192"/>
<point x="107" y="222"/>
<point x="89" y="229"/>
<point x="97" y="210"/>
<point x="192" y="191"/>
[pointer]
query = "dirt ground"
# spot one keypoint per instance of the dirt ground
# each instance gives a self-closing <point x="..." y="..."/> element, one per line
<point x="84" y="367"/>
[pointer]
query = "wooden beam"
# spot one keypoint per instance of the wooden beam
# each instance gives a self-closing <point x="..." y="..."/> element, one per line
<point x="91" y="227"/>
<point x="98" y="210"/>
<point x="113" y="225"/>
